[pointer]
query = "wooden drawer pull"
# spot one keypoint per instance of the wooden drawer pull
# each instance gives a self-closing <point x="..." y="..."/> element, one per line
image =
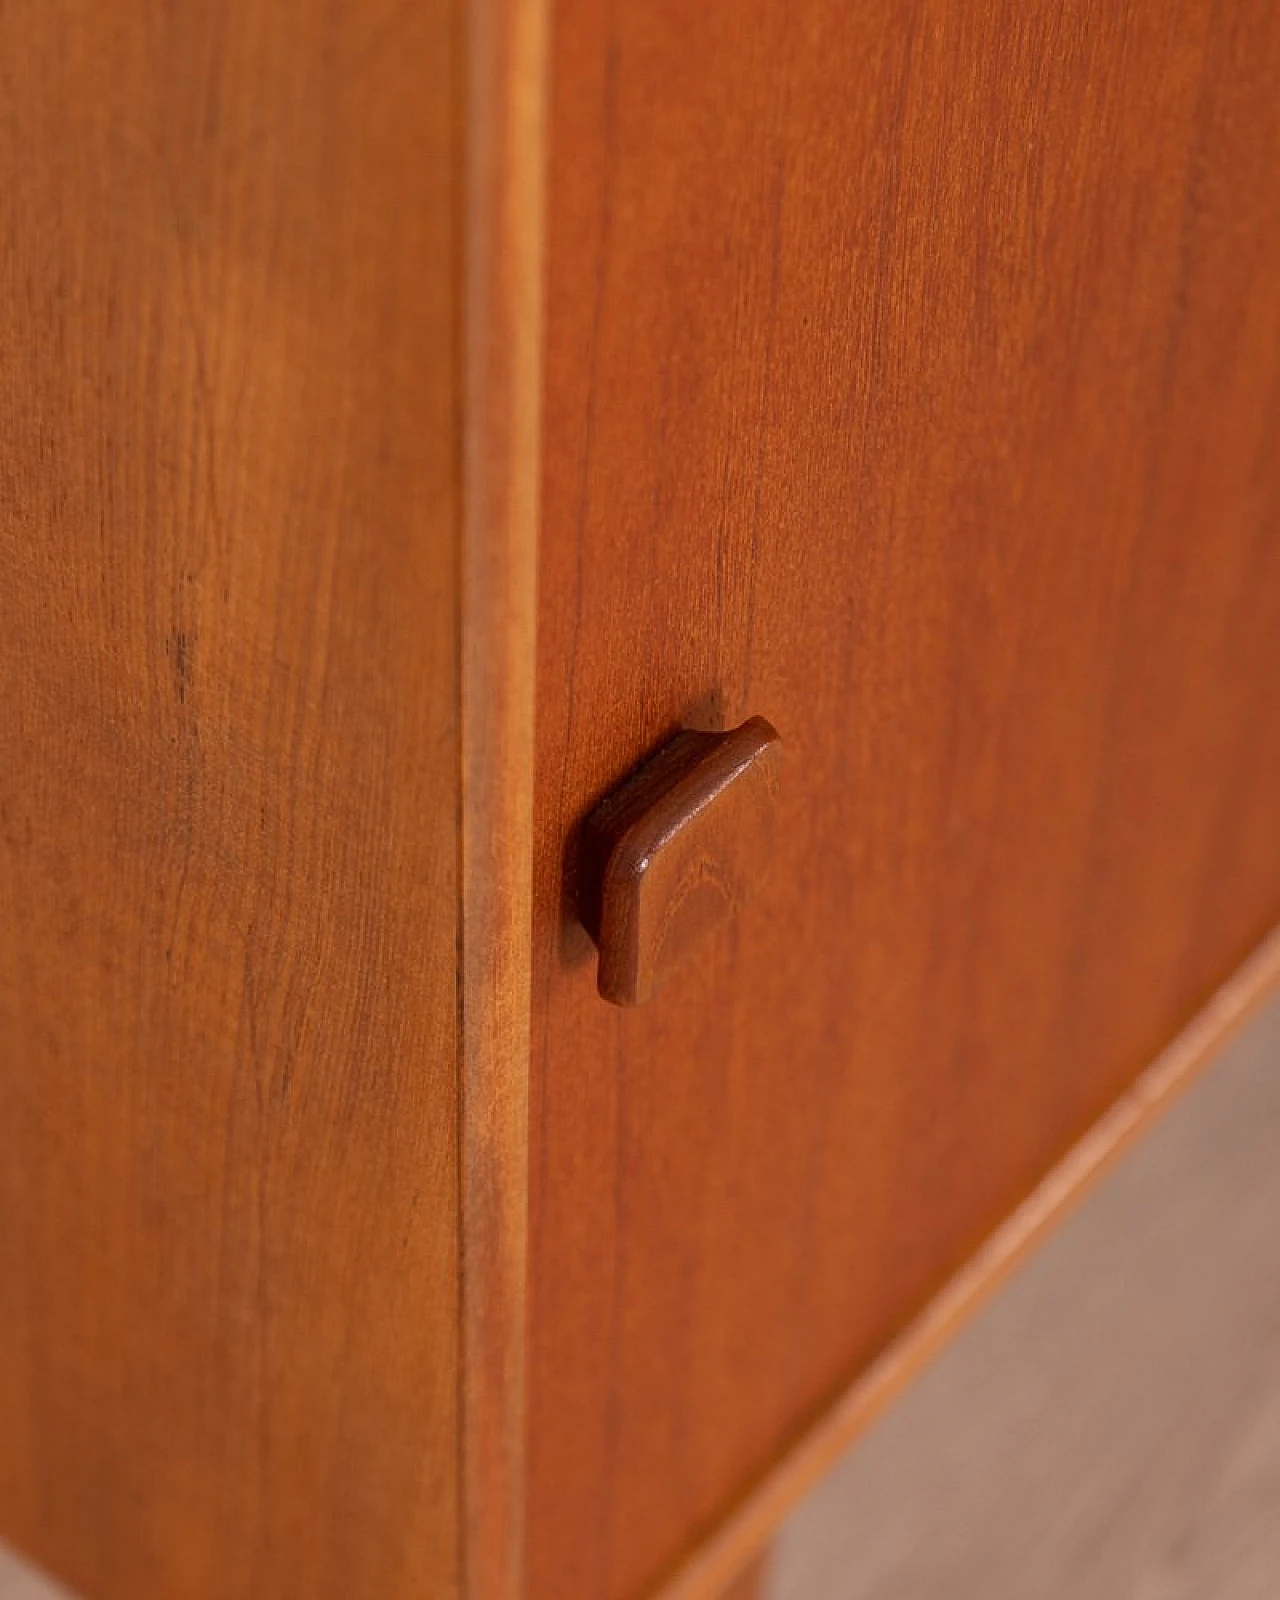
<point x="675" y="850"/>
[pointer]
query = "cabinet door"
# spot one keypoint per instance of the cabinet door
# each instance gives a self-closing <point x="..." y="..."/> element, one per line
<point x="913" y="381"/>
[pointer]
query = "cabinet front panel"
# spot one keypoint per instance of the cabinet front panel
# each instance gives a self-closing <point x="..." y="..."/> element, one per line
<point x="913" y="381"/>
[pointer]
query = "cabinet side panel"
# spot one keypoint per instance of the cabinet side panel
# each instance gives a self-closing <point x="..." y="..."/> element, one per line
<point x="229" y="454"/>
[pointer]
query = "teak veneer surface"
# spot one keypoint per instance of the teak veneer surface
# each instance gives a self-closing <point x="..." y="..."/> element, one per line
<point x="912" y="380"/>
<point x="229" y="769"/>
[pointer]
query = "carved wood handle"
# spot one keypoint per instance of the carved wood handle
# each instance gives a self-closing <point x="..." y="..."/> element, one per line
<point x="675" y="850"/>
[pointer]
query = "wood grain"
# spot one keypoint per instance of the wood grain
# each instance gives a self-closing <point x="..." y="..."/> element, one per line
<point x="506" y="78"/>
<point x="229" y="758"/>
<point x="735" y="1545"/>
<point x="675" y="851"/>
<point x="1110" y="1424"/>
<point x="912" y="378"/>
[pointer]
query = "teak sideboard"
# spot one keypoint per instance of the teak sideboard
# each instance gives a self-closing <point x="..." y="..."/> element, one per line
<point x="790" y="488"/>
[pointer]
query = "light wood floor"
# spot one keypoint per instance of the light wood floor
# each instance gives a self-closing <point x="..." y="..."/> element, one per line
<point x="1109" y="1427"/>
<point x="18" y="1581"/>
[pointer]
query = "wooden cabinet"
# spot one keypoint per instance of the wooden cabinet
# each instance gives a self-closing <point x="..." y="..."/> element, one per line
<point x="911" y="380"/>
<point x="410" y="419"/>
